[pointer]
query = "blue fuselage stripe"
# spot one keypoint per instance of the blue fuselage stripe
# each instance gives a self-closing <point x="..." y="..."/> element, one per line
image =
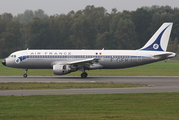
<point x="78" y="56"/>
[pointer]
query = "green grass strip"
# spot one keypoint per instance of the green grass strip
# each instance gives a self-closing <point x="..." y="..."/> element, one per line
<point x="139" y="106"/>
<point x="28" y="86"/>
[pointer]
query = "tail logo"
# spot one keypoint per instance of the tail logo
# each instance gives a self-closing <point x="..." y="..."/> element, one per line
<point x="156" y="43"/>
<point x="155" y="46"/>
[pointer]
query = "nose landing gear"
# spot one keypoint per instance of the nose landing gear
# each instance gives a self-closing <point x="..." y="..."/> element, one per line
<point x="25" y="75"/>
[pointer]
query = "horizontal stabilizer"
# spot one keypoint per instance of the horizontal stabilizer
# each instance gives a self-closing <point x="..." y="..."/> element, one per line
<point x="164" y="55"/>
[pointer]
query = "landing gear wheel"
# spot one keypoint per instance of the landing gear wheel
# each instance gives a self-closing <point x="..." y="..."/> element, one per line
<point x="25" y="75"/>
<point x="84" y="75"/>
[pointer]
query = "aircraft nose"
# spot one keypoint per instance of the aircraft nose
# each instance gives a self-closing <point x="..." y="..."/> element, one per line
<point x="4" y="62"/>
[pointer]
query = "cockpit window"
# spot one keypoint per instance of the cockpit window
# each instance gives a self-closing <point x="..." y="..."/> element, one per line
<point x="12" y="56"/>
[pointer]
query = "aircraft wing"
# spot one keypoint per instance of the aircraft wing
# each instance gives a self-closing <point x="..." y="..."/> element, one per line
<point x="85" y="62"/>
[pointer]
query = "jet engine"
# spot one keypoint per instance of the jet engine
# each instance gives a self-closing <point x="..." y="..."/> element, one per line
<point x="62" y="69"/>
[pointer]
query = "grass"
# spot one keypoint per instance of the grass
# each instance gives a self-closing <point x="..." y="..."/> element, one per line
<point x="169" y="68"/>
<point x="28" y="86"/>
<point x="138" y="106"/>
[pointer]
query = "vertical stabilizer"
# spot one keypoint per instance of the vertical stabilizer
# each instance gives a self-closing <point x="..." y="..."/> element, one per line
<point x="159" y="41"/>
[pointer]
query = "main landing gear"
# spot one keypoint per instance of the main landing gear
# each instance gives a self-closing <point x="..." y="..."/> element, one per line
<point x="25" y="75"/>
<point x="84" y="75"/>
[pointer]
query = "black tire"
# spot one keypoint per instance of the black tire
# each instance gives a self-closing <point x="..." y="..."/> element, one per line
<point x="84" y="75"/>
<point x="25" y="75"/>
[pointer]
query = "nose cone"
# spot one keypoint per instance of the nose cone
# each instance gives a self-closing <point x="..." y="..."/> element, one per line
<point x="4" y="62"/>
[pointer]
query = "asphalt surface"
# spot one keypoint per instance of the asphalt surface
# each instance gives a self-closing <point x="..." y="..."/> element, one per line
<point x="155" y="84"/>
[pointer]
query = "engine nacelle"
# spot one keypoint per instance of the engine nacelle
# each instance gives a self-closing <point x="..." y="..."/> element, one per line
<point x="62" y="69"/>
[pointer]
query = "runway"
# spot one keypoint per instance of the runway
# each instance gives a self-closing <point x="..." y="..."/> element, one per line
<point x="155" y="84"/>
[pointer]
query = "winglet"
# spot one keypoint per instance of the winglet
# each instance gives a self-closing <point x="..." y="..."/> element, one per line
<point x="159" y="41"/>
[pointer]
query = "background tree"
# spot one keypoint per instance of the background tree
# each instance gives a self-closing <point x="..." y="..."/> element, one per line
<point x="125" y="33"/>
<point x="142" y="20"/>
<point x="25" y="17"/>
<point x="10" y="39"/>
<point x="80" y="37"/>
<point x="28" y="15"/>
<point x="40" y="14"/>
<point x="90" y="28"/>
<point x="38" y="34"/>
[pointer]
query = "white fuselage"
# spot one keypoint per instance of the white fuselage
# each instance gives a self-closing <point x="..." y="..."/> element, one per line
<point x="108" y="59"/>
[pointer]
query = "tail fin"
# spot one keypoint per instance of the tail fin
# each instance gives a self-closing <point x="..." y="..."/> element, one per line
<point x="159" y="41"/>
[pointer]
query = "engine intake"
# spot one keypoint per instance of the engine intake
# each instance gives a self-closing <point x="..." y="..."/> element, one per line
<point x="62" y="69"/>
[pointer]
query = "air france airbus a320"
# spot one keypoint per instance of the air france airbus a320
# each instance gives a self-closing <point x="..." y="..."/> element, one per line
<point x="65" y="61"/>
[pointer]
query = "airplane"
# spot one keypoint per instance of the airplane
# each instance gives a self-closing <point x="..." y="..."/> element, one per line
<point x="66" y="61"/>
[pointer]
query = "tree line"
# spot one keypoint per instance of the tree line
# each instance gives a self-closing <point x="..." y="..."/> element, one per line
<point x="90" y="28"/>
